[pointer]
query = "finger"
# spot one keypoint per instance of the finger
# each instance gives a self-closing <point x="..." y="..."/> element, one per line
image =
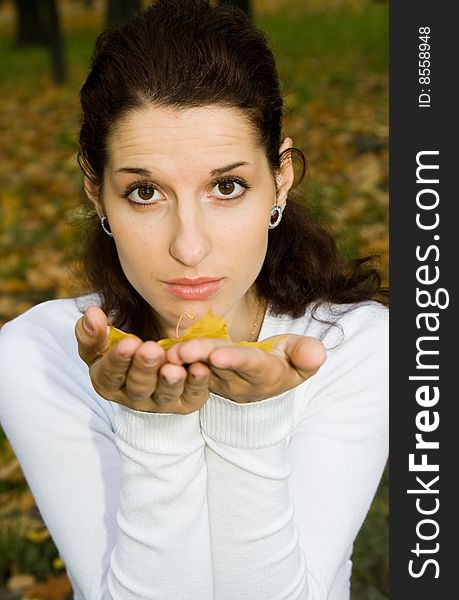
<point x="248" y="362"/>
<point x="170" y="386"/>
<point x="306" y="354"/>
<point x="196" y="350"/>
<point x="108" y="374"/>
<point x="142" y="377"/>
<point x="196" y="389"/>
<point x="91" y="331"/>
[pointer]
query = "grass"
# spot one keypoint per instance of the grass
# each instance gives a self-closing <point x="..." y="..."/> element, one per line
<point x="324" y="51"/>
<point x="20" y="69"/>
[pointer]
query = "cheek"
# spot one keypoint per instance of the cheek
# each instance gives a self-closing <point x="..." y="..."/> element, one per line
<point x="253" y="227"/>
<point x="246" y="242"/>
<point x="139" y="253"/>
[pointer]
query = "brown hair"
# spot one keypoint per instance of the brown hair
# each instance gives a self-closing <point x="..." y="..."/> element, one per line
<point x="187" y="53"/>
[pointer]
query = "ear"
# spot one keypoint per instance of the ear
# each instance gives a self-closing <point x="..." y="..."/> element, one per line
<point x="286" y="175"/>
<point x="92" y="192"/>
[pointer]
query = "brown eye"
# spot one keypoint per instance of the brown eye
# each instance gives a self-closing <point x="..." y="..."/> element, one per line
<point x="229" y="189"/>
<point x="145" y="193"/>
<point x="226" y="187"/>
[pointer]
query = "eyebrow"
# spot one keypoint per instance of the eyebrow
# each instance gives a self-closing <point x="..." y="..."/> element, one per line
<point x="228" y="168"/>
<point x="214" y="172"/>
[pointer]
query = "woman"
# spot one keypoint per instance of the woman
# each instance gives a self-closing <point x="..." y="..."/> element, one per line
<point x="210" y="470"/>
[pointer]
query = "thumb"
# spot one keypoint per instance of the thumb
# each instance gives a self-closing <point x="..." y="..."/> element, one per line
<point x="306" y="354"/>
<point x="91" y="331"/>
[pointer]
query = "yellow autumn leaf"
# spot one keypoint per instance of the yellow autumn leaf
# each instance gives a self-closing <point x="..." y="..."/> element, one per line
<point x="38" y="536"/>
<point x="116" y="335"/>
<point x="266" y="345"/>
<point x="209" y="326"/>
<point x="58" y="563"/>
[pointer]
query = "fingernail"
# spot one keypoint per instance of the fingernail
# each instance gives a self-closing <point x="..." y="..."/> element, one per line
<point x="87" y="327"/>
<point x="172" y="379"/>
<point x="197" y="379"/>
<point x="149" y="362"/>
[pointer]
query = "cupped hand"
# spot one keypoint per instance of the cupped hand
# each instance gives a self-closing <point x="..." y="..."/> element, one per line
<point x="248" y="374"/>
<point x="137" y="374"/>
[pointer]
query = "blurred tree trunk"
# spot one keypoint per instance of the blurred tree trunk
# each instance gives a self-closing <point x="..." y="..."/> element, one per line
<point x="38" y="25"/>
<point x="54" y="40"/>
<point x="29" y="27"/>
<point x="242" y="4"/>
<point x="119" y="11"/>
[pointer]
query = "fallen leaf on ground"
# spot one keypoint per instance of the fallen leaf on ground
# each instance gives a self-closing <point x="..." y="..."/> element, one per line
<point x="20" y="582"/>
<point x="55" y="588"/>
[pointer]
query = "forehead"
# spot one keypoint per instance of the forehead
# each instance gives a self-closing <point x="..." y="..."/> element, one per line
<point x="204" y="134"/>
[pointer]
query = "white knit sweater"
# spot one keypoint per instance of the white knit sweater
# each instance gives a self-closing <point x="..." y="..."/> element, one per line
<point x="256" y="501"/>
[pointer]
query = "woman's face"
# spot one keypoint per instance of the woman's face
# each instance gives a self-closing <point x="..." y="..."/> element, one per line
<point x="188" y="195"/>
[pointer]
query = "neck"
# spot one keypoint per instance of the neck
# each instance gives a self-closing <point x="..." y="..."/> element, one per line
<point x="247" y="321"/>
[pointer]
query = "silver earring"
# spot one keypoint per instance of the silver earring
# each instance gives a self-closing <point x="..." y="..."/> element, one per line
<point x="276" y="216"/>
<point x="104" y="227"/>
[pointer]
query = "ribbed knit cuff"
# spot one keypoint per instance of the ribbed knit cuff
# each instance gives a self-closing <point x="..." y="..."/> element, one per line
<point x="251" y="425"/>
<point x="152" y="432"/>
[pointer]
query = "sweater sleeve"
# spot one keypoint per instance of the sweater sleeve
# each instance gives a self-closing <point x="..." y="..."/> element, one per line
<point x="300" y="472"/>
<point x="123" y="493"/>
<point x="255" y="549"/>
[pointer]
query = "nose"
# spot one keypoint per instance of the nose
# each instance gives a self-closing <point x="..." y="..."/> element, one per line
<point x="190" y="242"/>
